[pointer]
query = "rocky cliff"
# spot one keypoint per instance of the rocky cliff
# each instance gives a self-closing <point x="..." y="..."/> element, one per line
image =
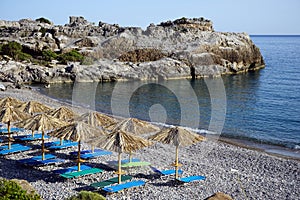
<point x="184" y="48"/>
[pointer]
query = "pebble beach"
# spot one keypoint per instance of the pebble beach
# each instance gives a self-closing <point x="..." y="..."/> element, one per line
<point x="239" y="172"/>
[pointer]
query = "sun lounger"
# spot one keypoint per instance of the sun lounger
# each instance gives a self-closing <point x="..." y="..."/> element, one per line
<point x="122" y="186"/>
<point x="76" y="174"/>
<point x="135" y="164"/>
<point x="111" y="181"/>
<point x="55" y="143"/>
<point x="63" y="146"/>
<point x="115" y="162"/>
<point x="166" y="172"/>
<point x="35" y="158"/>
<point x="30" y="138"/>
<point x="14" y="150"/>
<point x="191" y="179"/>
<point x="13" y="129"/>
<point x="12" y="146"/>
<point x="45" y="162"/>
<point x="71" y="169"/>
<point x="86" y="151"/>
<point x="95" y="154"/>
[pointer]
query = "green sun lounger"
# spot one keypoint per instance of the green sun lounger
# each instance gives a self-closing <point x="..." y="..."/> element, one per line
<point x="191" y="179"/>
<point x="76" y="174"/>
<point x="135" y="164"/>
<point x="111" y="181"/>
<point x="122" y="186"/>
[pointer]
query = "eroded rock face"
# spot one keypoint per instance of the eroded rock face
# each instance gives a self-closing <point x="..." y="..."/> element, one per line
<point x="173" y="49"/>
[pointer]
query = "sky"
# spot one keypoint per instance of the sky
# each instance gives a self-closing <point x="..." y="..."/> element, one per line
<point x="267" y="17"/>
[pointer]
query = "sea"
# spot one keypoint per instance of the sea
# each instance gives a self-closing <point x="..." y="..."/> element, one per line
<point x="259" y="109"/>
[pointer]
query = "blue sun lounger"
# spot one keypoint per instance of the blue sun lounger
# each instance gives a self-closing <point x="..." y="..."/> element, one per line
<point x="14" y="150"/>
<point x="13" y="129"/>
<point x="191" y="179"/>
<point x="63" y="146"/>
<point x="12" y="146"/>
<point x="45" y="162"/>
<point x="85" y="151"/>
<point x="71" y="169"/>
<point x="122" y="186"/>
<point x="166" y="172"/>
<point x="95" y="154"/>
<point x="33" y="159"/>
<point x="35" y="137"/>
<point x="55" y="143"/>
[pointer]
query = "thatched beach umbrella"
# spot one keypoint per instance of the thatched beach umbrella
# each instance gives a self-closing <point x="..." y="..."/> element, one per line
<point x="10" y="114"/>
<point x="63" y="113"/>
<point x="135" y="126"/>
<point x="11" y="101"/>
<point x="77" y="131"/>
<point x="41" y="122"/>
<point x="96" y="119"/>
<point x="32" y="107"/>
<point x="177" y="136"/>
<point x="121" y="142"/>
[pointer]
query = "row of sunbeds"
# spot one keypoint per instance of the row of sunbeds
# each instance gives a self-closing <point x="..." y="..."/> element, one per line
<point x="109" y="185"/>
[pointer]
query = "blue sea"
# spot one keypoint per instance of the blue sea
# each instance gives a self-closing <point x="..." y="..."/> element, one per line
<point x="260" y="108"/>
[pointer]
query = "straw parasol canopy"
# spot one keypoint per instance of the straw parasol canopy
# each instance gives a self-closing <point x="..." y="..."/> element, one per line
<point x="12" y="101"/>
<point x="32" y="107"/>
<point x="135" y="126"/>
<point x="77" y="131"/>
<point x="10" y="114"/>
<point x="121" y="142"/>
<point x="97" y="119"/>
<point x="41" y="122"/>
<point x="63" y="113"/>
<point x="177" y="136"/>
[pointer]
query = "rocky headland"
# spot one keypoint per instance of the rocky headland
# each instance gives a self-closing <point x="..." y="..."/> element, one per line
<point x="184" y="48"/>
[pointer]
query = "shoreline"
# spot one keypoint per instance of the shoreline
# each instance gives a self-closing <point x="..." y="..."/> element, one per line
<point x="272" y="149"/>
<point x="259" y="172"/>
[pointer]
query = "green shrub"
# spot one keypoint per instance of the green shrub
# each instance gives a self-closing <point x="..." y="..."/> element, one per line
<point x="11" y="49"/>
<point x="14" y="50"/>
<point x="72" y="56"/>
<point x="10" y="190"/>
<point x="43" y="20"/>
<point x="49" y="55"/>
<point x="85" y="195"/>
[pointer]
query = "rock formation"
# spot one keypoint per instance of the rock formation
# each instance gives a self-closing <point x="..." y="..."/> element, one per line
<point x="184" y="48"/>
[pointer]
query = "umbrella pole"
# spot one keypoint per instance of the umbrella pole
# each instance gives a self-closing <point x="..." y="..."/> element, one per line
<point x="60" y="141"/>
<point x="8" y="131"/>
<point x="130" y="157"/>
<point x="176" y="163"/>
<point x="78" y="153"/>
<point x="32" y="133"/>
<point x="43" y="145"/>
<point x="119" y="168"/>
<point x="93" y="149"/>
